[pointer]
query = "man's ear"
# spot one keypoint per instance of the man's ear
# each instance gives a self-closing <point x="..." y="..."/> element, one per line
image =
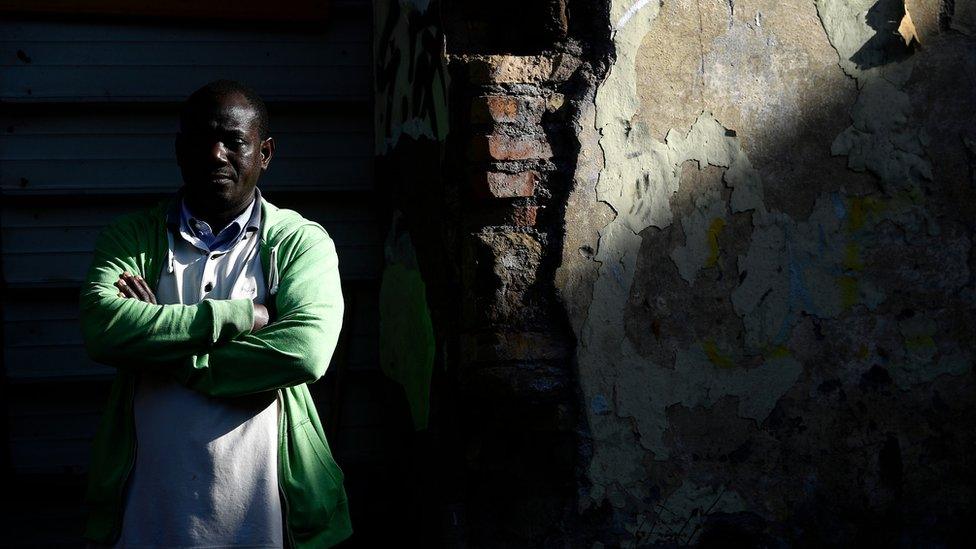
<point x="267" y="151"/>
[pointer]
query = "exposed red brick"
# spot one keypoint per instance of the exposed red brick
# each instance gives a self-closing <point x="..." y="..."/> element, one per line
<point x="500" y="147"/>
<point x="509" y="69"/>
<point x="494" y="108"/>
<point x="505" y="185"/>
<point x="524" y="216"/>
<point x="507" y="109"/>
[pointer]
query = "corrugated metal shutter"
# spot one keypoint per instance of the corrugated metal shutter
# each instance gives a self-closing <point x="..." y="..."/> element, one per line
<point x="88" y="114"/>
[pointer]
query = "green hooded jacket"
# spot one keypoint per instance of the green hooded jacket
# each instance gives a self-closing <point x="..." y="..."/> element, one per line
<point x="209" y="347"/>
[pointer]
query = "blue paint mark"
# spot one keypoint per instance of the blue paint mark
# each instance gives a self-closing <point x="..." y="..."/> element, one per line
<point x="798" y="287"/>
<point x="799" y="297"/>
<point x="617" y="272"/>
<point x="840" y="210"/>
<point x="599" y="405"/>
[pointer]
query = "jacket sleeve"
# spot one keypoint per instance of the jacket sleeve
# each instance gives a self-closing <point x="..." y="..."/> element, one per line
<point x="132" y="334"/>
<point x="296" y="346"/>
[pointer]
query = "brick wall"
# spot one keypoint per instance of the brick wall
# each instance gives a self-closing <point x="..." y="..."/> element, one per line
<point x="513" y="150"/>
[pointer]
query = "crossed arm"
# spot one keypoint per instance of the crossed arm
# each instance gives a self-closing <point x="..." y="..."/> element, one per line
<point x="134" y="287"/>
<point x="218" y="347"/>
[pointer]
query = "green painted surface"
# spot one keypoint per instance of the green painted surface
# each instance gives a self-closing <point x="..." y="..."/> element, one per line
<point x="406" y="332"/>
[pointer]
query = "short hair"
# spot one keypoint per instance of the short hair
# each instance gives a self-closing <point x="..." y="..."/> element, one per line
<point x="221" y="88"/>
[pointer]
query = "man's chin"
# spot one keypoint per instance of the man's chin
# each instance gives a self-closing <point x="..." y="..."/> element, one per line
<point x="213" y="196"/>
<point x="215" y="188"/>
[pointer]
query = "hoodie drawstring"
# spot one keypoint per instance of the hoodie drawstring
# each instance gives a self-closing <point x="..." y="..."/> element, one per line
<point x="273" y="276"/>
<point x="170" y="259"/>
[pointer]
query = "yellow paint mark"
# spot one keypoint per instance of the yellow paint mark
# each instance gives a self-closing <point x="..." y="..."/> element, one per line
<point x="919" y="342"/>
<point x="856" y="209"/>
<point x="778" y="351"/>
<point x="852" y="257"/>
<point x="713" y="231"/>
<point x="715" y="356"/>
<point x="862" y="352"/>
<point x="914" y="195"/>
<point x="860" y="208"/>
<point x="848" y="291"/>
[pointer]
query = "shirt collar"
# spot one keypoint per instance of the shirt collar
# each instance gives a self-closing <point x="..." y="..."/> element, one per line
<point x="179" y="219"/>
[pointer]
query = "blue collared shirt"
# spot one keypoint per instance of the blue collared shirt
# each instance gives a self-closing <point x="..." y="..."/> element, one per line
<point x="199" y="233"/>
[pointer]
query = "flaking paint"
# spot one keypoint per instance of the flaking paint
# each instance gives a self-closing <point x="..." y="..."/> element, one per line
<point x="802" y="264"/>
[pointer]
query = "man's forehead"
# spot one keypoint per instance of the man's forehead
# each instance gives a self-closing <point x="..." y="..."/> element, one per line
<point x="223" y="112"/>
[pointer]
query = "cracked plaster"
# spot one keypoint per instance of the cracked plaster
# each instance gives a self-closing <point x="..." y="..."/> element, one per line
<point x="814" y="265"/>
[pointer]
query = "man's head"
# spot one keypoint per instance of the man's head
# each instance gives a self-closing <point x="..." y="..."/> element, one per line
<point x="222" y="147"/>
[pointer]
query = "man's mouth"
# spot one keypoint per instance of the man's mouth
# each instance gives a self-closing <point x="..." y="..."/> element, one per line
<point x="220" y="179"/>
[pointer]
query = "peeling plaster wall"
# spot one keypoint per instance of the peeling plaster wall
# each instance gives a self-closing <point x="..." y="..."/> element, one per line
<point x="768" y="264"/>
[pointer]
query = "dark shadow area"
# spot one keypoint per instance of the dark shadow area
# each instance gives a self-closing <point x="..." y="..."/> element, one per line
<point x="887" y="45"/>
<point x="506" y="27"/>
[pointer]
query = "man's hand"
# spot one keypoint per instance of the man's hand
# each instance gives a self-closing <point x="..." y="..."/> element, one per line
<point x="261" y="317"/>
<point x="135" y="287"/>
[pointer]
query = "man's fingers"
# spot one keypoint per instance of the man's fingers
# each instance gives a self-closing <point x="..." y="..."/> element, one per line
<point x="146" y="290"/>
<point x="137" y="288"/>
<point x="130" y="282"/>
<point x="125" y="289"/>
<point x="134" y="287"/>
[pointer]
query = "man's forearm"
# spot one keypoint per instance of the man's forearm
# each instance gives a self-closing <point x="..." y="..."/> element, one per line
<point x="127" y="333"/>
<point x="287" y="352"/>
<point x="295" y="348"/>
<point x="135" y="287"/>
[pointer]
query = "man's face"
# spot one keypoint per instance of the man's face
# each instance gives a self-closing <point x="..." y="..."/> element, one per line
<point x="221" y="154"/>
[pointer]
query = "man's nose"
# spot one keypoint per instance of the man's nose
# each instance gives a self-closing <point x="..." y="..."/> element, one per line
<point x="218" y="152"/>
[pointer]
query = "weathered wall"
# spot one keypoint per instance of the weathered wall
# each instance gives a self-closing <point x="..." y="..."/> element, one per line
<point x="698" y="271"/>
<point x="768" y="266"/>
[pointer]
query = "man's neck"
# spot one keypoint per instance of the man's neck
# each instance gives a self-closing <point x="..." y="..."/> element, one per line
<point x="217" y="220"/>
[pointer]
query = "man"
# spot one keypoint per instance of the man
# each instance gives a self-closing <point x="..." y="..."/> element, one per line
<point x="216" y="308"/>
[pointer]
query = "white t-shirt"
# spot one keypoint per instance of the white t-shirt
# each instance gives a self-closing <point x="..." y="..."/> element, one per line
<point x="206" y="469"/>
